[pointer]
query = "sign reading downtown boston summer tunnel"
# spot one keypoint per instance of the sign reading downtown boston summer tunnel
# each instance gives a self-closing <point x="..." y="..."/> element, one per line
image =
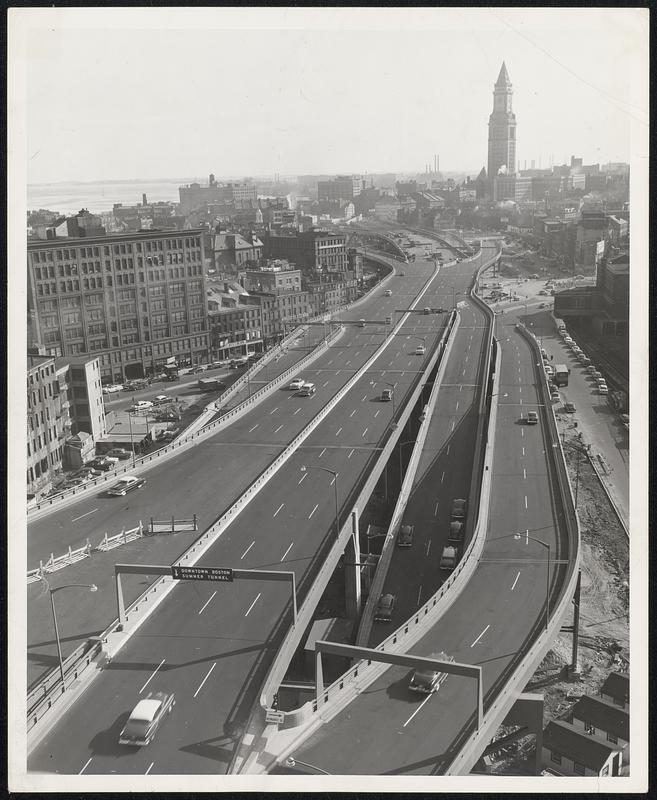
<point x="180" y="573"/>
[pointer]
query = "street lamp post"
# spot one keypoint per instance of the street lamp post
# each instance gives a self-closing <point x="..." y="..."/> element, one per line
<point x="92" y="588"/>
<point x="518" y="536"/>
<point x="305" y="468"/>
<point x="132" y="442"/>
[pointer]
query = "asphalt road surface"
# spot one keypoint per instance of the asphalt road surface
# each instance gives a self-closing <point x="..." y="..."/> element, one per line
<point x="212" y="645"/>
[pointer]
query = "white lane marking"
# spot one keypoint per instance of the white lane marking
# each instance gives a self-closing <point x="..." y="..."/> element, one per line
<point x="254" y="427"/>
<point x="521" y="401"/>
<point x="313" y="511"/>
<point x="435" y="511"/>
<point x="480" y="635"/>
<point x="523" y="451"/>
<point x="463" y="373"/>
<point x="287" y="551"/>
<point x="453" y="424"/>
<point x="428" y="546"/>
<point x="377" y="413"/>
<point x="364" y="432"/>
<point x="338" y="432"/>
<point x="357" y="353"/>
<point x="351" y="454"/>
<point x="352" y="413"/>
<point x="247" y="550"/>
<point x="278" y="429"/>
<point x="303" y="477"/>
<point x="442" y="477"/>
<point x="279" y="508"/>
<point x="522" y="431"/>
<point x="338" y="371"/>
<point x="333" y="479"/>
<point x="328" y="363"/>
<point x="457" y="405"/>
<point x="152" y="676"/>
<point x="527" y="536"/>
<point x="297" y="411"/>
<point x="325" y="383"/>
<point x="419" y="708"/>
<point x="347" y="362"/>
<point x="85" y="766"/>
<point x="419" y="594"/>
<point x="150" y="768"/>
<point x="205" y="679"/>
<point x="273" y="409"/>
<point x="363" y="398"/>
<point x="402" y="375"/>
<point x="206" y="602"/>
<point x="524" y="473"/>
<point x="520" y="389"/>
<point x="516" y="581"/>
<point x="252" y="604"/>
<point x="322" y="453"/>
<point x="448" y="446"/>
<point x="525" y="501"/>
<point x="82" y="516"/>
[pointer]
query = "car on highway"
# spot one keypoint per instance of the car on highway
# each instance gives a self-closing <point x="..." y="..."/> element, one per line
<point x="386" y="395"/>
<point x="569" y="408"/>
<point x="532" y="418"/>
<point x="146" y="718"/>
<point x="104" y="463"/>
<point x="385" y="608"/>
<point x="197" y="370"/>
<point x="118" y="452"/>
<point x="161" y="399"/>
<point x="238" y="363"/>
<point x="296" y="384"/>
<point x="112" y="388"/>
<point x="420" y="350"/>
<point x="459" y="509"/>
<point x="126" y="484"/>
<point x="141" y="405"/>
<point x="426" y="311"/>
<point x="361" y="323"/>
<point x="405" y="536"/>
<point x="426" y="680"/>
<point x="307" y="390"/>
<point x="388" y="292"/>
<point x="455" y="531"/>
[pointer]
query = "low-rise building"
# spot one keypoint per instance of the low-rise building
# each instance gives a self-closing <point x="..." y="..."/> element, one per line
<point x="317" y="249"/>
<point x="595" y="716"/>
<point x="568" y="751"/>
<point x="81" y="379"/>
<point x="616" y="689"/>
<point x="233" y="251"/>
<point x="235" y="331"/>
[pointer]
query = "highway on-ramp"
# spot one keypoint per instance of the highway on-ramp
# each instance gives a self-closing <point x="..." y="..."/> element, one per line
<point x="212" y="644"/>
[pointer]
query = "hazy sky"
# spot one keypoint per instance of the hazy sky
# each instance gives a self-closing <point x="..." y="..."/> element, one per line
<point x="112" y="94"/>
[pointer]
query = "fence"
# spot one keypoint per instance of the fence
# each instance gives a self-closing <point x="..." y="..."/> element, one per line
<point x="172" y="525"/>
<point x="54" y="564"/>
<point x="110" y="542"/>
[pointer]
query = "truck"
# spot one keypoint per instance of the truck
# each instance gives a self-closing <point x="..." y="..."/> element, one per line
<point x="561" y="373"/>
<point x="209" y="384"/>
<point x="448" y="558"/>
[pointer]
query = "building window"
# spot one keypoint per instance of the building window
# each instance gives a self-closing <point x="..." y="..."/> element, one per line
<point x="579" y="769"/>
<point x="588" y="728"/>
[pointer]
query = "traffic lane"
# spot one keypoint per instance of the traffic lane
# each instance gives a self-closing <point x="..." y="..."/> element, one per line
<point x="194" y="664"/>
<point x="419" y="727"/>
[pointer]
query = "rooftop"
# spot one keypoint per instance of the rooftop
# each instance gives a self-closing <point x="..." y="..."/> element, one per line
<point x="604" y="715"/>
<point x="153" y="233"/>
<point x="564" y="738"/>
<point x="617" y="684"/>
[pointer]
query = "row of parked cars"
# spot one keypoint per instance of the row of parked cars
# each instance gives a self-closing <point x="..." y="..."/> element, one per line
<point x="600" y="382"/>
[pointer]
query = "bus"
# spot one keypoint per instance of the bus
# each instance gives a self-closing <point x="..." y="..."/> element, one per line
<point x="561" y="373"/>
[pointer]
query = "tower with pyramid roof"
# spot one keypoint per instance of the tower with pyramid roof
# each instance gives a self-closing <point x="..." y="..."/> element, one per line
<point x="502" y="128"/>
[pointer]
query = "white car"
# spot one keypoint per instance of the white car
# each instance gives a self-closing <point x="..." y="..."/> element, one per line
<point x="141" y="405"/>
<point x="160" y="399"/>
<point x="296" y="384"/>
<point x="420" y="350"/>
<point x="146" y="718"/>
<point x="112" y="388"/>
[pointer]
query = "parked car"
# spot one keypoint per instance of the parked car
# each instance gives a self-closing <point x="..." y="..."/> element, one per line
<point x="459" y="509"/>
<point x="71" y="483"/>
<point x="554" y="396"/>
<point x="427" y="680"/>
<point x="199" y="369"/>
<point x="141" y="405"/>
<point x="569" y="408"/>
<point x="126" y="484"/>
<point x="87" y="471"/>
<point x="385" y="608"/>
<point x="591" y="369"/>
<point x="405" y="536"/>
<point x="146" y="718"/>
<point x="104" y="463"/>
<point x="118" y="452"/>
<point x="602" y="388"/>
<point x="161" y="399"/>
<point x="112" y="388"/>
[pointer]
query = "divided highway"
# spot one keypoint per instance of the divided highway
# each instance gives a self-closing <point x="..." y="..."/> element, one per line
<point x="212" y="645"/>
<point x="390" y="730"/>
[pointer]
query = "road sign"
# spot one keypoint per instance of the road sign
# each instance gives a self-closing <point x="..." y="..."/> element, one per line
<point x="276" y="717"/>
<point x="181" y="573"/>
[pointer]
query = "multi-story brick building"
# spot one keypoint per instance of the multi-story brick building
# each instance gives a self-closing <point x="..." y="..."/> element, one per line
<point x="342" y="188"/>
<point x="80" y="379"/>
<point x="235" y="330"/>
<point x="195" y="196"/>
<point x="316" y="249"/>
<point x="48" y="423"/>
<point x="133" y="300"/>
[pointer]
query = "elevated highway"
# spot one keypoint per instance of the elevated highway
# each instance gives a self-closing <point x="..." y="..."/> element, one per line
<point x="213" y="646"/>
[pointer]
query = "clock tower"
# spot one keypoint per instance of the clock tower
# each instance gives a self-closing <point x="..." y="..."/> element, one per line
<point x="502" y="128"/>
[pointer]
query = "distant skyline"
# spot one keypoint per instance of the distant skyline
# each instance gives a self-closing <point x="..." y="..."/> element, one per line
<point x="123" y="93"/>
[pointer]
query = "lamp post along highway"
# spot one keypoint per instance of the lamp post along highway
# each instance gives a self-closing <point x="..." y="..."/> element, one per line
<point x="132" y="442"/>
<point x="92" y="588"/>
<point x="305" y="468"/>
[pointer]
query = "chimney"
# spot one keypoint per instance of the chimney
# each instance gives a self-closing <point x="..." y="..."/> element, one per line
<point x="143" y="199"/>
